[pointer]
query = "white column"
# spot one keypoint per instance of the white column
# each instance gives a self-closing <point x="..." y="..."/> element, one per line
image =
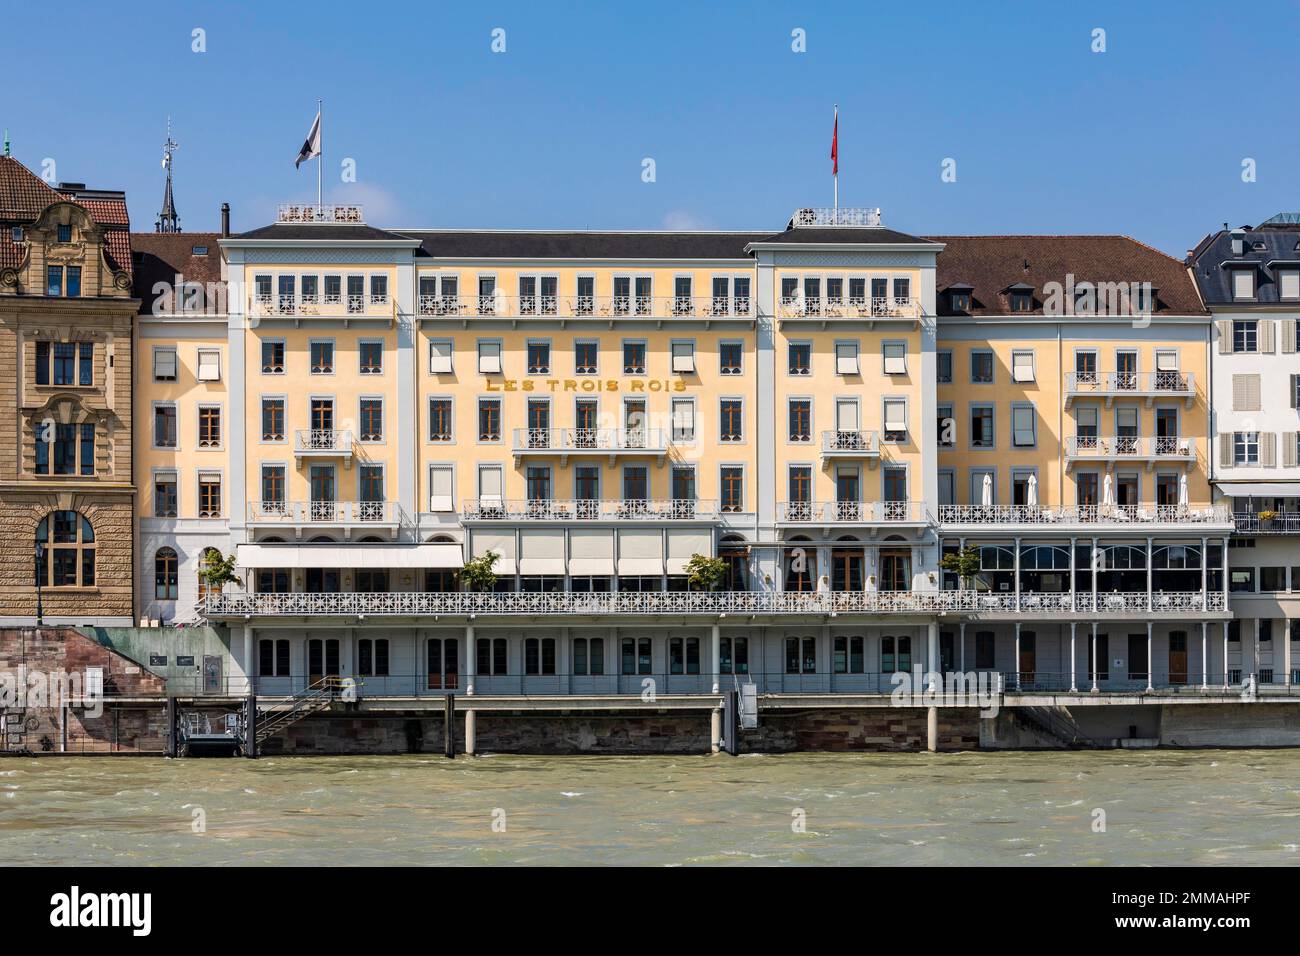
<point x="932" y="651"/>
<point x="471" y="660"/>
<point x="1149" y="572"/>
<point x="1225" y="655"/>
<point x="1016" y="565"/>
<point x="1286" y="651"/>
<point x="1254" y="653"/>
<point x="1073" y="543"/>
<point x="1017" y="657"/>
<point x="1205" y="648"/>
<point x="1093" y="654"/>
<point x="250" y="665"/>
<point x="715" y="664"/>
<point x="1093" y="569"/>
<point x="1073" y="684"/>
<point x="1205" y="572"/>
<point x="1150" y="661"/>
<point x="963" y="647"/>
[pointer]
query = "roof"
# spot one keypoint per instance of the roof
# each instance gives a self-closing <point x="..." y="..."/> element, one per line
<point x="1277" y="242"/>
<point x="23" y="194"/>
<point x="875" y="235"/>
<point x="992" y="265"/>
<point x="580" y="244"/>
<point x="161" y="256"/>
<point x="319" y="232"/>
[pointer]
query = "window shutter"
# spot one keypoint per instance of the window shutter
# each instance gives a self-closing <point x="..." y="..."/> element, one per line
<point x="846" y="359"/>
<point x="1289" y="447"/>
<point x="895" y="360"/>
<point x="1268" y="449"/>
<point x="1266" y="327"/>
<point x="209" y="365"/>
<point x="489" y="358"/>
<point x="164" y="364"/>
<point x="684" y="420"/>
<point x="1293" y="390"/>
<point x="683" y="357"/>
<point x="489" y="485"/>
<point x="1022" y="366"/>
<point x="1245" y="393"/>
<point x="440" y="488"/>
<point x="846" y="416"/>
<point x="1225" y="449"/>
<point x="1225" y="336"/>
<point x="1288" y="335"/>
<point x="1166" y="361"/>
<point x="895" y="416"/>
<point x="440" y="357"/>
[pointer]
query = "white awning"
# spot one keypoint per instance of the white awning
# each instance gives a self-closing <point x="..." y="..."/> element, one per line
<point x="594" y="566"/>
<point x="636" y="566"/>
<point x="553" y="566"/>
<point x="439" y="556"/>
<point x="677" y="565"/>
<point x="1260" y="489"/>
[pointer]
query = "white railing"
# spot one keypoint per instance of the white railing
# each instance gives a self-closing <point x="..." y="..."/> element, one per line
<point x="580" y="306"/>
<point x="1081" y="514"/>
<point x="323" y="306"/>
<point x="1282" y="522"/>
<point x="836" y="216"/>
<point x="1112" y="602"/>
<point x="349" y="214"/>
<point x="1176" y="447"/>
<point x="871" y="307"/>
<point x="852" y="512"/>
<point x="342" y="513"/>
<point x="590" y="440"/>
<point x="589" y="509"/>
<point x="850" y="442"/>
<point x="1131" y="383"/>
<point x="323" y="440"/>
<point x="420" y="603"/>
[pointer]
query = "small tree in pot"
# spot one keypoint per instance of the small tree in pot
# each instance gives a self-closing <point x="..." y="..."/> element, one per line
<point x="965" y="564"/>
<point x="705" y="573"/>
<point x="478" y="573"/>
<point x="216" y="571"/>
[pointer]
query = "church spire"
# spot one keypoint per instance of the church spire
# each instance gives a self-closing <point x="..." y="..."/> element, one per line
<point x="168" y="219"/>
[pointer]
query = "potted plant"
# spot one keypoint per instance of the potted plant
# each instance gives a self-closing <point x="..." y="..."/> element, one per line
<point x="965" y="564"/>
<point x="1266" y="518"/>
<point x="705" y="573"/>
<point x="478" y="573"/>
<point x="217" y="571"/>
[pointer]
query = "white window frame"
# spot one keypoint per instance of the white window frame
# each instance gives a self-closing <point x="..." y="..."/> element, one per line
<point x="683" y="356"/>
<point x="436" y="359"/>
<point x="1017" y="357"/>
<point x="894" y="356"/>
<point x="489" y="357"/>
<point x="176" y="364"/>
<point x="1018" y="409"/>
<point x="893" y="401"/>
<point x="845" y="363"/>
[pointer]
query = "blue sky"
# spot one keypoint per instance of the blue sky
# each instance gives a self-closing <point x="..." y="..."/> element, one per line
<point x="1146" y="138"/>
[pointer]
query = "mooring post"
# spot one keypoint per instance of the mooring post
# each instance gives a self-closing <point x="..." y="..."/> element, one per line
<point x="932" y="729"/>
<point x="449" y="726"/>
<point x="470" y="732"/>
<point x="171" y="727"/>
<point x="715" y="730"/>
<point x="250" y="725"/>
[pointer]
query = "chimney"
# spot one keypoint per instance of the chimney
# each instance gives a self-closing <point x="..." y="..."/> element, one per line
<point x="225" y="220"/>
<point x="1238" y="241"/>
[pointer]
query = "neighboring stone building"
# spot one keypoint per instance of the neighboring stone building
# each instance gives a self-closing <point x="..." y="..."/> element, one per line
<point x="66" y="312"/>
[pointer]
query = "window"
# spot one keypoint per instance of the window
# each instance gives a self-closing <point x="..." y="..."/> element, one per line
<point x="1022" y="300"/>
<point x="372" y="419"/>
<point x="981" y="367"/>
<point x="801" y="655"/>
<point x="585" y="357"/>
<point x="588" y="656"/>
<point x="539" y="656"/>
<point x="848" y="657"/>
<point x="322" y="357"/>
<point x="1023" y="428"/>
<point x="1288" y="284"/>
<point x="985" y="646"/>
<point x="73" y="447"/>
<point x="489" y="358"/>
<point x="65" y="363"/>
<point x="378" y="289"/>
<point x="635" y="483"/>
<point x="1245" y="448"/>
<point x="371" y="355"/>
<point x="1272" y="579"/>
<point x="1022" y="366"/>
<point x="981" y="426"/>
<point x="64" y="233"/>
<point x="846" y="358"/>
<point x="67" y="553"/>
<point x="959" y="301"/>
<point x="489" y="419"/>
<point x="54" y="280"/>
<point x="683" y="420"/>
<point x="273" y="419"/>
<point x="209" y="426"/>
<point x="943" y="367"/>
<point x="440" y="420"/>
<point x="683" y="357"/>
<point x="164" y="365"/>
<point x="273" y="488"/>
<point x="635" y="655"/>
<point x="633" y="358"/>
<point x="74" y="281"/>
<point x="895" y="358"/>
<point x="164" y="495"/>
<point x="895" y="419"/>
<point x="166" y="578"/>
<point x="209" y="495"/>
<point x="732" y="425"/>
<point x="733" y="488"/>
<point x="273" y="357"/>
<point x="356" y="293"/>
<point x="164" y="426"/>
<point x="539" y="358"/>
<point x="800" y="358"/>
<point x="947" y="428"/>
<point x="440" y="356"/>
<point x="1243" y="283"/>
<point x="1245" y="336"/>
<point x="731" y="358"/>
<point x="209" y="365"/>
<point x="800" y="420"/>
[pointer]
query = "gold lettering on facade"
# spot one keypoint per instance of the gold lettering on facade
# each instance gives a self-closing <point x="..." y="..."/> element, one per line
<point x="586" y="385"/>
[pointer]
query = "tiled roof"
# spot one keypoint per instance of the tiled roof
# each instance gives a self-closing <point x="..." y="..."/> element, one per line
<point x="23" y="194"/>
<point x="315" y="232"/>
<point x="106" y="212"/>
<point x="991" y="265"/>
<point x="11" y="253"/>
<point x="546" y="244"/>
<point x="876" y="236"/>
<point x="161" y="256"/>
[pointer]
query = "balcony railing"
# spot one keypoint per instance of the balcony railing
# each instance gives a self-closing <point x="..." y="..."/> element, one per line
<point x="861" y="216"/>
<point x="1130" y="383"/>
<point x="589" y="509"/>
<point x="325" y="306"/>
<point x="1080" y="514"/>
<point x="585" y="306"/>
<point x="852" y="512"/>
<point x="323" y="442"/>
<point x="869" y="307"/>
<point x="346" y="214"/>
<point x="599" y="441"/>
<point x="1281" y="523"/>
<point x="336" y="513"/>
<point x="420" y="603"/>
<point x="850" y="444"/>
<point x="1175" y="448"/>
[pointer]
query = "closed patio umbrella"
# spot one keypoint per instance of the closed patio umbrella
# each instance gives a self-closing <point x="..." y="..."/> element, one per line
<point x="1108" y="492"/>
<point x="1033" y="491"/>
<point x="1182" y="490"/>
<point x="986" y="494"/>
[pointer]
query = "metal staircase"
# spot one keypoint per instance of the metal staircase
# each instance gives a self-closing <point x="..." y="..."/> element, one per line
<point x="1057" y="723"/>
<point x="315" y="698"/>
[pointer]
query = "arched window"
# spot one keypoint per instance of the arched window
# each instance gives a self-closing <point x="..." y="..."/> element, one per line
<point x="166" y="580"/>
<point x="67" y="555"/>
<point x="210" y="557"/>
<point x="801" y="565"/>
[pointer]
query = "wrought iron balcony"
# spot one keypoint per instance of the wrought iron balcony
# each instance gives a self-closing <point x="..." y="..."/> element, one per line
<point x="303" y="516"/>
<point x="853" y="512"/>
<point x="324" y="306"/>
<point x="869" y="307"/>
<point x="589" y="509"/>
<point x="850" y="444"/>
<point x="348" y="214"/>
<point x="323" y="443"/>
<point x="1130" y="448"/>
<point x="860" y="216"/>
<point x="611" y="442"/>
<point x="585" y="306"/>
<point x="1036" y="516"/>
<point x="1281" y="522"/>
<point x="1148" y="385"/>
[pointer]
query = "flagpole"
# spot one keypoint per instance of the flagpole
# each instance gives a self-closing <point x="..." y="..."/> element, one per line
<point x="837" y="167"/>
<point x="320" y="158"/>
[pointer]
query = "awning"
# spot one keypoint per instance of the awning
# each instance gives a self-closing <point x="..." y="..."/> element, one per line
<point x="677" y="565"/>
<point x="440" y="556"/>
<point x="635" y="566"/>
<point x="1259" y="489"/>
<point x="553" y="566"/>
<point x="593" y="566"/>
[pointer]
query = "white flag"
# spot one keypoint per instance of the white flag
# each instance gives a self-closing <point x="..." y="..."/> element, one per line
<point x="311" y="147"/>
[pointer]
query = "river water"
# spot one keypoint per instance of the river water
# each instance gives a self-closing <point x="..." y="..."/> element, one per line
<point x="1160" y="807"/>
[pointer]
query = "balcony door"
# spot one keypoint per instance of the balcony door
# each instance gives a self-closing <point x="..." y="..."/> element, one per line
<point x="586" y="414"/>
<point x="322" y="492"/>
<point x="896" y="570"/>
<point x="539" y="423"/>
<point x="1138" y="664"/>
<point x="1028" y="664"/>
<point x="847" y="422"/>
<point x="634" y="422"/>
<point x="322" y="414"/>
<point x="322" y="659"/>
<point x="1178" y="657"/>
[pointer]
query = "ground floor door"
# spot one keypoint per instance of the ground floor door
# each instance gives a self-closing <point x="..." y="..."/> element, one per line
<point x="444" y="663"/>
<point x="1178" y="657"/>
<point x="1137" y="657"/>
<point x="211" y="674"/>
<point x="1028" y="656"/>
<point x="322" y="659"/>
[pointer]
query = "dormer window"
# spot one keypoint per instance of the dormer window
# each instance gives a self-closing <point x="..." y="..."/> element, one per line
<point x="1288" y="284"/>
<point x="1243" y="283"/>
<point x="199" y="251"/>
<point x="960" y="301"/>
<point x="1022" y="300"/>
<point x="65" y="233"/>
<point x="16" y="233"/>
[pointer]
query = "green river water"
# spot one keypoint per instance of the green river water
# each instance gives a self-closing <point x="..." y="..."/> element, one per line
<point x="1161" y="807"/>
